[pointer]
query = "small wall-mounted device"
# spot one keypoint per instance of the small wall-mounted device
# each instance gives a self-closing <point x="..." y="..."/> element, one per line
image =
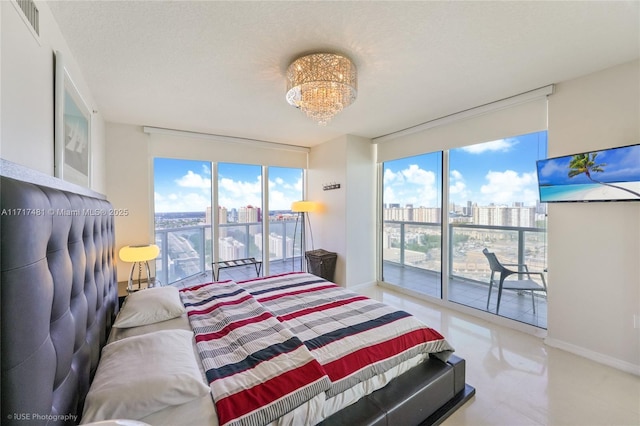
<point x="330" y="186"/>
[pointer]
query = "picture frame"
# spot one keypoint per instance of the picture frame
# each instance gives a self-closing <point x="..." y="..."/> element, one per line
<point x="72" y="124"/>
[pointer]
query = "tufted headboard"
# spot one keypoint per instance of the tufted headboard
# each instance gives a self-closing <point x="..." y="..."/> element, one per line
<point x="59" y="296"/>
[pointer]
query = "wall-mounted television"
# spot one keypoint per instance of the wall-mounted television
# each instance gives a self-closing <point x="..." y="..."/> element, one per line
<point x="606" y="175"/>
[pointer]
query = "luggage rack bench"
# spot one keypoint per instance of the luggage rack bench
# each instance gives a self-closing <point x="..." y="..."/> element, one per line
<point x="224" y="264"/>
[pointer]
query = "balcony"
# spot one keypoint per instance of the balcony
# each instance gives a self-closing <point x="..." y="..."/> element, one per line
<point x="412" y="260"/>
<point x="186" y="251"/>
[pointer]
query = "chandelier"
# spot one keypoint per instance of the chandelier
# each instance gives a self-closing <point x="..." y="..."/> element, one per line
<point x="322" y="85"/>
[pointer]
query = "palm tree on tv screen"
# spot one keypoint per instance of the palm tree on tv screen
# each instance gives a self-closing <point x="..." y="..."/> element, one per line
<point x="586" y="163"/>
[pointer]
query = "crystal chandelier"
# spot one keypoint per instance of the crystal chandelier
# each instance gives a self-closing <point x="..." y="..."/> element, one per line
<point x="322" y="85"/>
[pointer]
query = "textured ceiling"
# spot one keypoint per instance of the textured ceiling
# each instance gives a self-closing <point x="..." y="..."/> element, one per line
<point x="218" y="67"/>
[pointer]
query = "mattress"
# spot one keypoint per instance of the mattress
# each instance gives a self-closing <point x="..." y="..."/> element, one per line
<point x="309" y="307"/>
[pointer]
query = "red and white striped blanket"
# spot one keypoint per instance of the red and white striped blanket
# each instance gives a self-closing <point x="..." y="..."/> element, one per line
<point x="270" y="344"/>
<point x="352" y="336"/>
<point x="257" y="369"/>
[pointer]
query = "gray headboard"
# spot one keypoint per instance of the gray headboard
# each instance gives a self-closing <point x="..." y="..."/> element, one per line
<point x="59" y="296"/>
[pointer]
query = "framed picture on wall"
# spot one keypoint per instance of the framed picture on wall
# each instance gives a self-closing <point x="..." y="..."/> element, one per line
<point x="72" y="125"/>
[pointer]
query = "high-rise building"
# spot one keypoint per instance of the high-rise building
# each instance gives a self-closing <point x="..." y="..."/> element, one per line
<point x="231" y="248"/>
<point x="249" y="214"/>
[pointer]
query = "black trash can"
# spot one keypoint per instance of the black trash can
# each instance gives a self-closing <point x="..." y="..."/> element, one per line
<point x="322" y="263"/>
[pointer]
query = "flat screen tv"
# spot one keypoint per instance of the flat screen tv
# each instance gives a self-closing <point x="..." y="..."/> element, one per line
<point x="606" y="175"/>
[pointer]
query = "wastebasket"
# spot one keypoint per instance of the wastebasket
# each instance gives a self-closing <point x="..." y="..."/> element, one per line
<point x="322" y="263"/>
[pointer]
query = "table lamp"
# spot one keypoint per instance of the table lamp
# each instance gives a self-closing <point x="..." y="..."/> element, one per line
<point x="139" y="254"/>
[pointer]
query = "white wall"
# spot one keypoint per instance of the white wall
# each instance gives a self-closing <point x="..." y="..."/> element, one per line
<point x="594" y="248"/>
<point x="129" y="186"/>
<point x="26" y="92"/>
<point x="346" y="224"/>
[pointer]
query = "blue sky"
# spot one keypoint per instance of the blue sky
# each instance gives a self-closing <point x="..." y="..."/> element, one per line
<point x="621" y="165"/>
<point x="185" y="185"/>
<point x="501" y="172"/>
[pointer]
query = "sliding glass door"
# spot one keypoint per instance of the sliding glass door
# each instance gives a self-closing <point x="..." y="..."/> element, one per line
<point x="412" y="230"/>
<point x="239" y="211"/>
<point x="186" y="219"/>
<point x="285" y="187"/>
<point x="182" y="216"/>
<point x="492" y="202"/>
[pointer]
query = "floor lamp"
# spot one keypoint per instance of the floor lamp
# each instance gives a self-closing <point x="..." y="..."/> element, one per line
<point x="302" y="207"/>
<point x="140" y="255"/>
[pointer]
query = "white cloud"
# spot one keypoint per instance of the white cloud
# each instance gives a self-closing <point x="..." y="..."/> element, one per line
<point x="458" y="191"/>
<point x="551" y="168"/>
<point x="456" y="175"/>
<point x="412" y="185"/>
<point x="283" y="193"/>
<point x="509" y="186"/>
<point x="234" y="194"/>
<point x="416" y="175"/>
<point x="278" y="200"/>
<point x="498" y="145"/>
<point x="194" y="180"/>
<point x="391" y="177"/>
<point x="181" y="202"/>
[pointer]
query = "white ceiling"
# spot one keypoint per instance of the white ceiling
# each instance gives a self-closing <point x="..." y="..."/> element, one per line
<point x="218" y="67"/>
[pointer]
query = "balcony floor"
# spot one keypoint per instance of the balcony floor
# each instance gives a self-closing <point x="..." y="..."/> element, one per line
<point x="469" y="293"/>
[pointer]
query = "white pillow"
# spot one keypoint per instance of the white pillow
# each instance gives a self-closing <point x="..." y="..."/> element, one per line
<point x="140" y="375"/>
<point x="150" y="306"/>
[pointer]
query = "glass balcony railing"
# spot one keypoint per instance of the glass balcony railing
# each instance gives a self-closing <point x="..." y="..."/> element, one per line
<point x="418" y="245"/>
<point x="187" y="251"/>
<point x="412" y="260"/>
<point x="512" y="245"/>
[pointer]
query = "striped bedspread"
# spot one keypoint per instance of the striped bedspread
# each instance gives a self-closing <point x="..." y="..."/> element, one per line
<point x="270" y="344"/>
<point x="257" y="369"/>
<point x="352" y="336"/>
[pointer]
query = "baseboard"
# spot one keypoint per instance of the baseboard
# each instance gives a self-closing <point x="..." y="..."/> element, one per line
<point x="363" y="286"/>
<point x="594" y="356"/>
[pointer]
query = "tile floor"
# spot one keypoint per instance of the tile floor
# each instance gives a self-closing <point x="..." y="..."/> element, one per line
<point x="518" y="379"/>
<point x="521" y="381"/>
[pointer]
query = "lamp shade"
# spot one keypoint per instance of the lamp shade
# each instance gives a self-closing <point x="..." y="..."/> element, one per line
<point x="139" y="253"/>
<point x="304" y="206"/>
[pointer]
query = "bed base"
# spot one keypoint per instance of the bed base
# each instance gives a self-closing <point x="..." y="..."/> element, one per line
<point x="425" y="395"/>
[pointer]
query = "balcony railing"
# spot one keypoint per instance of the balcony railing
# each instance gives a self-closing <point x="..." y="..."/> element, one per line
<point x="413" y="261"/>
<point x="418" y="244"/>
<point x="187" y="251"/>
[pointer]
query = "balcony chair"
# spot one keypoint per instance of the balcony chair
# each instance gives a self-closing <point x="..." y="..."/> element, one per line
<point x="519" y="284"/>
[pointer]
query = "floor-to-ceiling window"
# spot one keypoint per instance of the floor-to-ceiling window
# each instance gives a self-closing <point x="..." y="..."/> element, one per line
<point x="239" y="211"/>
<point x="412" y="217"/>
<point x="493" y="203"/>
<point x="186" y="224"/>
<point x="285" y="187"/>
<point x="182" y="209"/>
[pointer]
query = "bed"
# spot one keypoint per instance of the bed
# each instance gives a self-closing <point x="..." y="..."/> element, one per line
<point x="69" y="357"/>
